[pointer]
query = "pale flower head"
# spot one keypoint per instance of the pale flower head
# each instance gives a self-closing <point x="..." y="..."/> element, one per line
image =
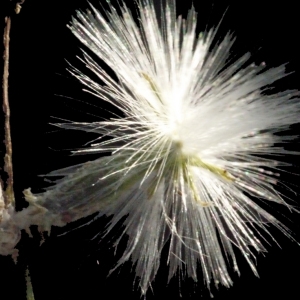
<point x="191" y="150"/>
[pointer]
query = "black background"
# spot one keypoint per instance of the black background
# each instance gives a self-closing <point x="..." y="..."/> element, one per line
<point x="75" y="266"/>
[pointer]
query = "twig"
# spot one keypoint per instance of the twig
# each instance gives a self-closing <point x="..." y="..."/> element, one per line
<point x="29" y="290"/>
<point x="9" y="198"/>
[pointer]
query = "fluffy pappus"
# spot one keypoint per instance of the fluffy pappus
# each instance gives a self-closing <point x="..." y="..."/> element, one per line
<point x="195" y="145"/>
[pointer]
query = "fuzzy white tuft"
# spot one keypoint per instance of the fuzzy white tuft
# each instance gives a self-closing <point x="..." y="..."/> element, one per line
<point x="193" y="149"/>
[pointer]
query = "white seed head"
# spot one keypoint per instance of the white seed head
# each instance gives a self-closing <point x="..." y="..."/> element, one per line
<point x="193" y="148"/>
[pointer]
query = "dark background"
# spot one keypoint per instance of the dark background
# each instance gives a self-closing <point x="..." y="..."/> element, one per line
<point x="75" y="266"/>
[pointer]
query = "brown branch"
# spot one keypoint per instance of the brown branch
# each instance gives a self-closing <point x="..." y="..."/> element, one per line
<point x="9" y="198"/>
